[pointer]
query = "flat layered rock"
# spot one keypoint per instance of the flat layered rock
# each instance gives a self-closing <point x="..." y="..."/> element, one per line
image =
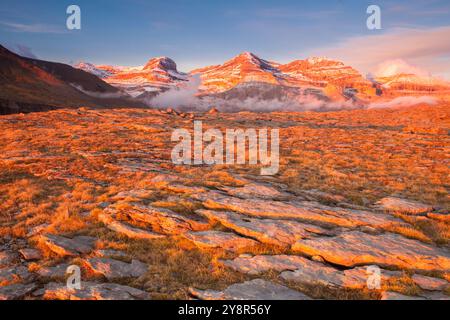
<point x="58" y="271"/>
<point x="37" y="229"/>
<point x="114" y="269"/>
<point x="404" y="206"/>
<point x="165" y="221"/>
<point x="303" y="210"/>
<point x="329" y="277"/>
<point x="356" y="278"/>
<point x="30" y="254"/>
<point x="66" y="246"/>
<point x="271" y="231"/>
<point x="16" y="291"/>
<point x="255" y="190"/>
<point x="13" y="274"/>
<point x="429" y="283"/>
<point x="435" y="295"/>
<point x="125" y="229"/>
<point x="439" y="216"/>
<point x="133" y="194"/>
<point x="317" y="194"/>
<point x="306" y="272"/>
<point x="357" y="248"/>
<point x="110" y="253"/>
<point x="218" y="239"/>
<point x="93" y="291"/>
<point x="7" y="258"/>
<point x="165" y="178"/>
<point x="256" y="289"/>
<point x="263" y="263"/>
<point x="390" y="295"/>
<point x="180" y="188"/>
<point x="353" y="217"/>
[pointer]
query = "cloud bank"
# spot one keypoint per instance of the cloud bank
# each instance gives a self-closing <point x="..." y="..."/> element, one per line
<point x="178" y="97"/>
<point x="402" y="102"/>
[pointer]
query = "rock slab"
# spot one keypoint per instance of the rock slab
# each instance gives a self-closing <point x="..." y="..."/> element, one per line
<point x="354" y="248"/>
<point x="257" y="289"/>
<point x="68" y="247"/>
<point x="93" y="291"/>
<point x="114" y="269"/>
<point x="218" y="239"/>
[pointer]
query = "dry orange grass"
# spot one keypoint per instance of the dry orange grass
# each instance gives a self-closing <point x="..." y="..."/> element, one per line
<point x="59" y="168"/>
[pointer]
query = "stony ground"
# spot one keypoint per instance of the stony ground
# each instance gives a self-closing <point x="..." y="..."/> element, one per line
<point x="97" y="189"/>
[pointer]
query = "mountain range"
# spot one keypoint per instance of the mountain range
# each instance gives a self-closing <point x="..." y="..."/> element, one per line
<point x="322" y="77"/>
<point x="246" y="79"/>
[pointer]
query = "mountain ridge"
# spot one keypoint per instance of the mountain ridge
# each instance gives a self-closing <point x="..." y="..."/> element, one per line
<point x="28" y="84"/>
<point x="337" y="80"/>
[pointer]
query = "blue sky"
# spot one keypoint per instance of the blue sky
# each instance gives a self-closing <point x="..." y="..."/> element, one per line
<point x="202" y="32"/>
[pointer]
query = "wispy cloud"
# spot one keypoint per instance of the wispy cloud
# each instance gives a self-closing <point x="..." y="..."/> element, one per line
<point x="288" y="13"/>
<point x="419" y="8"/>
<point x="32" y="28"/>
<point x="426" y="48"/>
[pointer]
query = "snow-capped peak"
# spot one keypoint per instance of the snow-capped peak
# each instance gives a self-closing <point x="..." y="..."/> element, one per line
<point x="316" y="60"/>
<point x="163" y="63"/>
<point x="91" y="68"/>
<point x="248" y="55"/>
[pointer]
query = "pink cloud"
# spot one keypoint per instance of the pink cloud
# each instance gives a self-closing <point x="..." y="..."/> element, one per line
<point x="426" y="48"/>
<point x="397" y="66"/>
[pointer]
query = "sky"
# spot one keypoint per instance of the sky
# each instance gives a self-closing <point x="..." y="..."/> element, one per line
<point x="415" y="33"/>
